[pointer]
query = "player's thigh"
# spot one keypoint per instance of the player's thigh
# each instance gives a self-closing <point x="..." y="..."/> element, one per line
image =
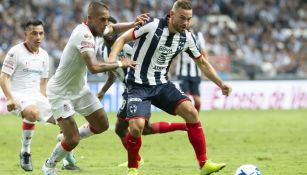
<point x="98" y="120"/>
<point x="86" y="104"/>
<point x="138" y="103"/>
<point x="187" y="111"/>
<point x="121" y="127"/>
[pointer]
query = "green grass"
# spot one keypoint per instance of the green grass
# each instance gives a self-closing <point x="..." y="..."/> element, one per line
<point x="274" y="140"/>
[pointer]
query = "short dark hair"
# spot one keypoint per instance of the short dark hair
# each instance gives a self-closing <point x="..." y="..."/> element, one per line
<point x="32" y="22"/>
<point x="184" y="4"/>
<point x="94" y="5"/>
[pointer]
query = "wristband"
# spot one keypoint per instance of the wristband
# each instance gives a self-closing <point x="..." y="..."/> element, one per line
<point x="120" y="64"/>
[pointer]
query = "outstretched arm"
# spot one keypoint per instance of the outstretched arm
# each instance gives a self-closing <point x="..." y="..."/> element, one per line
<point x="119" y="44"/>
<point x="209" y="71"/>
<point x="122" y="27"/>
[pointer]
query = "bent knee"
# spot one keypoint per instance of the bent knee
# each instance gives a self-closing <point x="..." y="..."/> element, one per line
<point x="103" y="127"/>
<point x="72" y="142"/>
<point x="136" y="131"/>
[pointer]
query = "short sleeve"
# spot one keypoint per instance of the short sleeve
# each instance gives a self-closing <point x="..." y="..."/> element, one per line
<point x="193" y="49"/>
<point x="144" y="29"/>
<point x="10" y="62"/>
<point x="84" y="41"/>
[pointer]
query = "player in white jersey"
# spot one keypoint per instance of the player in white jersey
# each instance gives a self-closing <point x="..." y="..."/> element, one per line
<point x="189" y="74"/>
<point x="158" y="42"/>
<point x="24" y="77"/>
<point x="68" y="91"/>
<point x="23" y="80"/>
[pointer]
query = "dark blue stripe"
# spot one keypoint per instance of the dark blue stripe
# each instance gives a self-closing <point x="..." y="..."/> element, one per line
<point x="180" y="47"/>
<point x="137" y="52"/>
<point x="150" y="51"/>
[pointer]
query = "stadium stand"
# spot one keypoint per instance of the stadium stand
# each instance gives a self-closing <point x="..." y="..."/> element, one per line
<point x="246" y="39"/>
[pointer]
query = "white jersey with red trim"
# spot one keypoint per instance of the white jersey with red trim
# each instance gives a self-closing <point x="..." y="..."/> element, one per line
<point x="71" y="75"/>
<point x="26" y="68"/>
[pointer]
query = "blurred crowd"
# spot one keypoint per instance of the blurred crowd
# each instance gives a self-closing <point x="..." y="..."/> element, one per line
<point x="264" y="39"/>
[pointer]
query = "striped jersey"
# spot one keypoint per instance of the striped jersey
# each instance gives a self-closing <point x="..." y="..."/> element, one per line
<point x="186" y="67"/>
<point x="155" y="48"/>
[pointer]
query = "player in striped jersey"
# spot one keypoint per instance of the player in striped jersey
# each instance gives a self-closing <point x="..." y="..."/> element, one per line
<point x="157" y="43"/>
<point x="121" y="127"/>
<point x="189" y="74"/>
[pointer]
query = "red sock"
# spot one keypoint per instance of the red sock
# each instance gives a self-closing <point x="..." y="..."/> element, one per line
<point x="124" y="142"/>
<point x="198" y="141"/>
<point x="28" y="126"/>
<point x="163" y="127"/>
<point x="133" y="147"/>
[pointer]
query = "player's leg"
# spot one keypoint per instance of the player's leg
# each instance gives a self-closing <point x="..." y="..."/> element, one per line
<point x="70" y="141"/>
<point x="197" y="138"/>
<point x="194" y="85"/>
<point x="97" y="123"/>
<point x="163" y="127"/>
<point x="30" y="115"/>
<point x="197" y="102"/>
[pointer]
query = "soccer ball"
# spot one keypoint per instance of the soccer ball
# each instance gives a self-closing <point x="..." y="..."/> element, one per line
<point x="248" y="170"/>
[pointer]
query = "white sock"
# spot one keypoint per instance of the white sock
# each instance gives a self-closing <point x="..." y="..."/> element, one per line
<point x="57" y="155"/>
<point x="85" y="131"/>
<point x="26" y="136"/>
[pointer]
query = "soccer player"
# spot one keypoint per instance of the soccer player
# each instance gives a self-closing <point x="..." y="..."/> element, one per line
<point x="189" y="74"/>
<point x="121" y="126"/>
<point x="23" y="80"/>
<point x="157" y="43"/>
<point x="67" y="90"/>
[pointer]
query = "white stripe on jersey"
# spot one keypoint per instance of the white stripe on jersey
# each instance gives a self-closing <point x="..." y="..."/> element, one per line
<point x="186" y="66"/>
<point x="155" y="48"/>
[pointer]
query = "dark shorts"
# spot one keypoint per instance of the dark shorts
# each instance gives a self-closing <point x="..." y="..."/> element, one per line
<point x="190" y="85"/>
<point x="139" y="98"/>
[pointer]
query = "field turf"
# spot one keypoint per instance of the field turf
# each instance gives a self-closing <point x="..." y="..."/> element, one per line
<point x="274" y="140"/>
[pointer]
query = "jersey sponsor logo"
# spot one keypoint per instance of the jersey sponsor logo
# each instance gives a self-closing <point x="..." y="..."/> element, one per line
<point x="32" y="71"/>
<point x="158" y="67"/>
<point x="134" y="99"/>
<point x="86" y="44"/>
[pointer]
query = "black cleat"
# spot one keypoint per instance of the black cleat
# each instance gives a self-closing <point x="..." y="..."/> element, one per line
<point x="25" y="161"/>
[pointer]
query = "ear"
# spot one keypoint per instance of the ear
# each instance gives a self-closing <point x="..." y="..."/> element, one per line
<point x="171" y="13"/>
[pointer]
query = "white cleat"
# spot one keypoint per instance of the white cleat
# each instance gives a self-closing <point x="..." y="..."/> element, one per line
<point x="48" y="171"/>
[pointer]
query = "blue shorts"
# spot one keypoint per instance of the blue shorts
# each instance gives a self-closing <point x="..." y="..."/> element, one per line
<point x="139" y="98"/>
<point x="190" y="85"/>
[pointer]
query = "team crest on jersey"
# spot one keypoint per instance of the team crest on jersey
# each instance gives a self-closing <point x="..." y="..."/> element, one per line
<point x="11" y="55"/>
<point x="133" y="108"/>
<point x="87" y="36"/>
<point x="66" y="107"/>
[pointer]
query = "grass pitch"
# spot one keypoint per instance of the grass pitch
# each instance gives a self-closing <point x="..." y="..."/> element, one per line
<point x="273" y="140"/>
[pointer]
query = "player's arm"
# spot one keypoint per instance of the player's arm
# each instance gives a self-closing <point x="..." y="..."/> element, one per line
<point x="96" y="66"/>
<point x="111" y="79"/>
<point x="122" y="27"/>
<point x="43" y="86"/>
<point x="119" y="44"/>
<point x="210" y="72"/>
<point x="4" y="83"/>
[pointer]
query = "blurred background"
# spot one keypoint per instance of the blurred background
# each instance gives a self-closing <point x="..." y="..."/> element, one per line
<point x="246" y="39"/>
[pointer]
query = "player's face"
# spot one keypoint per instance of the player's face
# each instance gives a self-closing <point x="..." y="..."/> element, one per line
<point x="34" y="36"/>
<point x="99" y="21"/>
<point x="181" y="19"/>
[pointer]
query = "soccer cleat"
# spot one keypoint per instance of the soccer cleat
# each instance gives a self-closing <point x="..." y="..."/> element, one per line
<point x="25" y="161"/>
<point x="132" y="171"/>
<point x="125" y="164"/>
<point x="71" y="167"/>
<point x="48" y="171"/>
<point x="211" y="167"/>
<point x="69" y="163"/>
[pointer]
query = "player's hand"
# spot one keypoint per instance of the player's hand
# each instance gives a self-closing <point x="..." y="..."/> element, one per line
<point x="226" y="89"/>
<point x="141" y="19"/>
<point x="126" y="62"/>
<point x="100" y="95"/>
<point x="11" y="105"/>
